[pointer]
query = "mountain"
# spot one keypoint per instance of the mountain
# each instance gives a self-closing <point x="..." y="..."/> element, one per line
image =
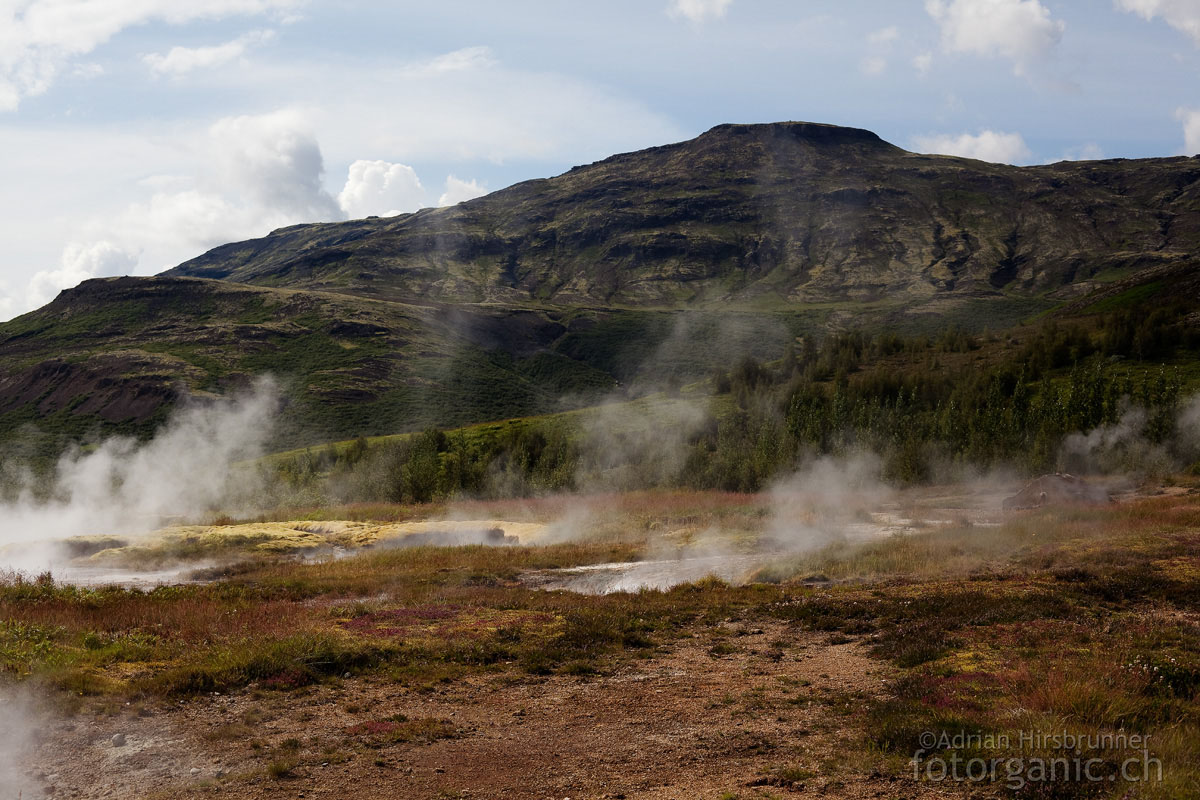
<point x="646" y="268"/>
<point x="757" y="216"/>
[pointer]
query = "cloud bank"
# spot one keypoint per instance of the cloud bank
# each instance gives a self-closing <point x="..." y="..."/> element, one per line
<point x="1190" y="117"/>
<point x="40" y="38"/>
<point x="79" y="263"/>
<point x="1021" y="31"/>
<point x="1182" y="15"/>
<point x="698" y="11"/>
<point x="988" y="145"/>
<point x="380" y="188"/>
<point x="181" y="60"/>
<point x="261" y="172"/>
<point x="459" y="191"/>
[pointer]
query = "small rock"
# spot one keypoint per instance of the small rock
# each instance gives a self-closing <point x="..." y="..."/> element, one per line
<point x="194" y="771"/>
<point x="118" y="740"/>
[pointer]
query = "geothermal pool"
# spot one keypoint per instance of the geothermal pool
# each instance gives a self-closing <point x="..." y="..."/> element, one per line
<point x="187" y="554"/>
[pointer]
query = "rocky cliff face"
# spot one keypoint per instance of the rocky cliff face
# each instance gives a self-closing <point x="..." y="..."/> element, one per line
<point x="778" y="214"/>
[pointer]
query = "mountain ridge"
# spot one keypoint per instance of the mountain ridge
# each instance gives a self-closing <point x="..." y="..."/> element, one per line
<point x="651" y="267"/>
<point x="782" y="212"/>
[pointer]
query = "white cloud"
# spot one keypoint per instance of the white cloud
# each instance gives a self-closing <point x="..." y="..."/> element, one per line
<point x="85" y="72"/>
<point x="380" y="188"/>
<point x="79" y="263"/>
<point x="9" y="305"/>
<point x="884" y="35"/>
<point x="466" y="59"/>
<point x="873" y="65"/>
<point x="180" y="60"/>
<point x="1088" y="151"/>
<point x="38" y="38"/>
<point x="459" y="191"/>
<point x="1021" y="31"/>
<point x="274" y="162"/>
<point x="923" y="62"/>
<point x="1191" y="130"/>
<point x="480" y="110"/>
<point x="254" y="173"/>
<point x="698" y="10"/>
<point x="879" y="45"/>
<point x="1003" y="148"/>
<point x="1182" y="15"/>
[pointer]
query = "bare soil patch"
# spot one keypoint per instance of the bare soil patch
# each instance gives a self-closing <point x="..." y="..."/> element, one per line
<point x="724" y="711"/>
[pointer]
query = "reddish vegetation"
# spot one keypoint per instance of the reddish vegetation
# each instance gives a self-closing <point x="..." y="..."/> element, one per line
<point x="400" y="621"/>
<point x="183" y="616"/>
<point x="443" y="621"/>
<point x="376" y="727"/>
<point x="288" y="679"/>
<point x="963" y="691"/>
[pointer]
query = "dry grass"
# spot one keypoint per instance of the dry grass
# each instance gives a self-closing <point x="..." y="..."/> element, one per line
<point x="283" y="625"/>
<point x="1085" y="620"/>
<point x="1027" y="542"/>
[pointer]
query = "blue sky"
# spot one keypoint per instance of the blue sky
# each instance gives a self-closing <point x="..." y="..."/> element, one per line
<point x="135" y="134"/>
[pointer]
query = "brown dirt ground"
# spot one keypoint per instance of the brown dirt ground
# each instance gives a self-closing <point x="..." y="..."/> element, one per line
<point x="683" y="724"/>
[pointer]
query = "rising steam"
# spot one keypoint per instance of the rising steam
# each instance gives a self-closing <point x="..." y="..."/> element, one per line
<point x="124" y="486"/>
<point x="16" y="744"/>
<point x="836" y="499"/>
<point x="823" y="501"/>
<point x="1127" y="447"/>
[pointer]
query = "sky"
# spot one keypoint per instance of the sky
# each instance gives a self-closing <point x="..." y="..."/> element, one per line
<point x="136" y="134"/>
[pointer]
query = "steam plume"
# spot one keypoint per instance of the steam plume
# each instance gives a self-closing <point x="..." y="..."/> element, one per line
<point x="16" y="745"/>
<point x="125" y="486"/>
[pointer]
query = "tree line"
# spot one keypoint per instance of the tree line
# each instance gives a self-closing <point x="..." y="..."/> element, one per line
<point x="895" y="396"/>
